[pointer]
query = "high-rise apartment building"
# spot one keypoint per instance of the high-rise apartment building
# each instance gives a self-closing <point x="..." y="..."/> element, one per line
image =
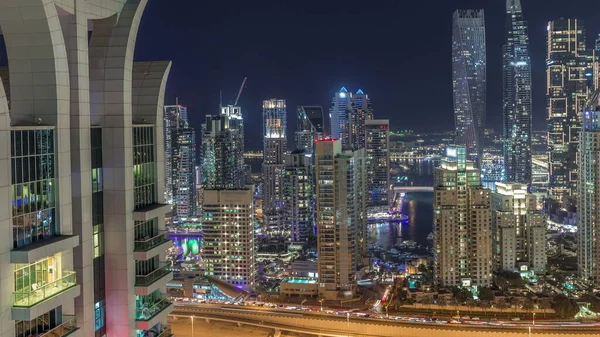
<point x="340" y="217"/>
<point x="340" y="114"/>
<point x="570" y="69"/>
<point x="519" y="230"/>
<point x="274" y="150"/>
<point x="377" y="146"/>
<point x="298" y="195"/>
<point x="469" y="80"/>
<point x="227" y="202"/>
<point x="223" y="150"/>
<point x="180" y="162"/>
<point x="82" y="174"/>
<point x="517" y="97"/>
<point x="311" y="126"/>
<point x="588" y="226"/>
<point x="362" y="111"/>
<point x="228" y="250"/>
<point x="462" y="223"/>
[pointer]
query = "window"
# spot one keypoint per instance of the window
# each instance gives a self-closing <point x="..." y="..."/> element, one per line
<point x="98" y="240"/>
<point x="99" y="315"/>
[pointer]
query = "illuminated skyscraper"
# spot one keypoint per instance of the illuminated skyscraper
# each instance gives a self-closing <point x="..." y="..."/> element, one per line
<point x="227" y="202"/>
<point x="462" y="223"/>
<point x="362" y="111"/>
<point x="274" y="150"/>
<point x="298" y="196"/>
<point x="180" y="162"/>
<point x="570" y="78"/>
<point x="311" y="126"/>
<point x="517" y="96"/>
<point x="340" y="217"/>
<point x="223" y="150"/>
<point x="519" y="230"/>
<point x="469" y="80"/>
<point x="588" y="226"/>
<point x="378" y="162"/>
<point x="339" y="114"/>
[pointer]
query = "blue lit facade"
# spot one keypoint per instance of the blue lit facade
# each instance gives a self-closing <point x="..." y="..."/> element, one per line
<point x="517" y="96"/>
<point x="469" y="80"/>
<point x="339" y="113"/>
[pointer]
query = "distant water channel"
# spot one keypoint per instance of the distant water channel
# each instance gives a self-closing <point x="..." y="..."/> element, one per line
<point x="419" y="207"/>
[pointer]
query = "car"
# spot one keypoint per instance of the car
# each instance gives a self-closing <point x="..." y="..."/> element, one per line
<point x="466" y="317"/>
<point x="515" y="319"/>
<point x="329" y="312"/>
<point x="475" y="318"/>
<point x="455" y="321"/>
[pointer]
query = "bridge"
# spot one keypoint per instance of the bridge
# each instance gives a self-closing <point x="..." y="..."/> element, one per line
<point x="407" y="189"/>
<point x="319" y="324"/>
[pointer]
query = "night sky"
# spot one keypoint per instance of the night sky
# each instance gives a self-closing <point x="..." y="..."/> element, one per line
<point x="397" y="51"/>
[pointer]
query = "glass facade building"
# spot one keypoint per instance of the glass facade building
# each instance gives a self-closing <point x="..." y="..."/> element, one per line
<point x="469" y="80"/>
<point x="516" y="96"/>
<point x="377" y="144"/>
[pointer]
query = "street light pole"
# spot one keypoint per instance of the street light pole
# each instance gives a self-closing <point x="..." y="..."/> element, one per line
<point x="534" y="318"/>
<point x="192" y="317"/>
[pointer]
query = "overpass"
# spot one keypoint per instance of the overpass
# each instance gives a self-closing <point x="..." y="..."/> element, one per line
<point x="319" y="324"/>
<point x="406" y="189"/>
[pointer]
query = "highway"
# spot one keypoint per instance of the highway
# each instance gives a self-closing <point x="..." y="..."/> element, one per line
<point x="311" y="321"/>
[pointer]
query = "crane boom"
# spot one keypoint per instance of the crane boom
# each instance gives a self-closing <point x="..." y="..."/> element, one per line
<point x="240" y="92"/>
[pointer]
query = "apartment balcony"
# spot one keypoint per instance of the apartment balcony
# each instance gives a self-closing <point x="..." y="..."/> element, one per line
<point x="67" y="328"/>
<point x="45" y="297"/>
<point x="148" y="315"/>
<point x="151" y="212"/>
<point x="146" y="284"/>
<point x="146" y="248"/>
<point x="41" y="249"/>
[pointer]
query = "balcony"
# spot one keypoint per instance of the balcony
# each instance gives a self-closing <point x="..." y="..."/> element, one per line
<point x="40" y="293"/>
<point x="149" y="247"/>
<point x="147" y="244"/>
<point x="166" y="332"/>
<point x="146" y="284"/>
<point x="41" y="249"/>
<point x="149" y="310"/>
<point x="68" y="326"/>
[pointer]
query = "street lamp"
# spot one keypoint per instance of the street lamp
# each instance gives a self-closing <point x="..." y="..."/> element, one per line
<point x="321" y="301"/>
<point x="192" y="317"/>
<point x="302" y="303"/>
<point x="534" y="318"/>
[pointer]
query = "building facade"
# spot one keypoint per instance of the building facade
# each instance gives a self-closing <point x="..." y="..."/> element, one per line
<point x="340" y="114"/>
<point x="340" y="217"/>
<point x="377" y="145"/>
<point x="362" y="111"/>
<point x="570" y="69"/>
<point x="310" y="126"/>
<point x="517" y="97"/>
<point x="462" y="223"/>
<point x="180" y="162"/>
<point x="588" y="233"/>
<point x="519" y="230"/>
<point x="274" y="151"/>
<point x="298" y="196"/>
<point x="469" y="80"/>
<point x="228" y="228"/>
<point x="83" y="170"/>
<point x="223" y="150"/>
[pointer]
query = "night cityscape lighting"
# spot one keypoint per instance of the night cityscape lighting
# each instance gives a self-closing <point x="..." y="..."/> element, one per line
<point x="311" y="168"/>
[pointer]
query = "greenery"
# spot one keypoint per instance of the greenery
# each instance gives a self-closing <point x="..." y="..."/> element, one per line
<point x="507" y="279"/>
<point x="461" y="295"/>
<point x="565" y="307"/>
<point x="594" y="302"/>
<point x="486" y="294"/>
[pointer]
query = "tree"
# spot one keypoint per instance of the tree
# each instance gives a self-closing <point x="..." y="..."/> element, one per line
<point x="486" y="294"/>
<point x="565" y="307"/>
<point x="594" y="302"/>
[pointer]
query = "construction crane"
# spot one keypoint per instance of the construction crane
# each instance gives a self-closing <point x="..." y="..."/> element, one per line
<point x="240" y="92"/>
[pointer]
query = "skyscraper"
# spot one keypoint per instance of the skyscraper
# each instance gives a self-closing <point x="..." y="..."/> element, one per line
<point x="340" y="217"/>
<point x="311" y="126"/>
<point x="588" y="226"/>
<point x="362" y="111"/>
<point x="180" y="162"/>
<point x="462" y="223"/>
<point x="82" y="175"/>
<point x="274" y="150"/>
<point x="377" y="146"/>
<point x="223" y="150"/>
<point x="469" y="80"/>
<point x="517" y="96"/>
<point x="519" y="230"/>
<point x="298" y="198"/>
<point x="570" y="79"/>
<point x="339" y="114"/>
<point x="227" y="202"/>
